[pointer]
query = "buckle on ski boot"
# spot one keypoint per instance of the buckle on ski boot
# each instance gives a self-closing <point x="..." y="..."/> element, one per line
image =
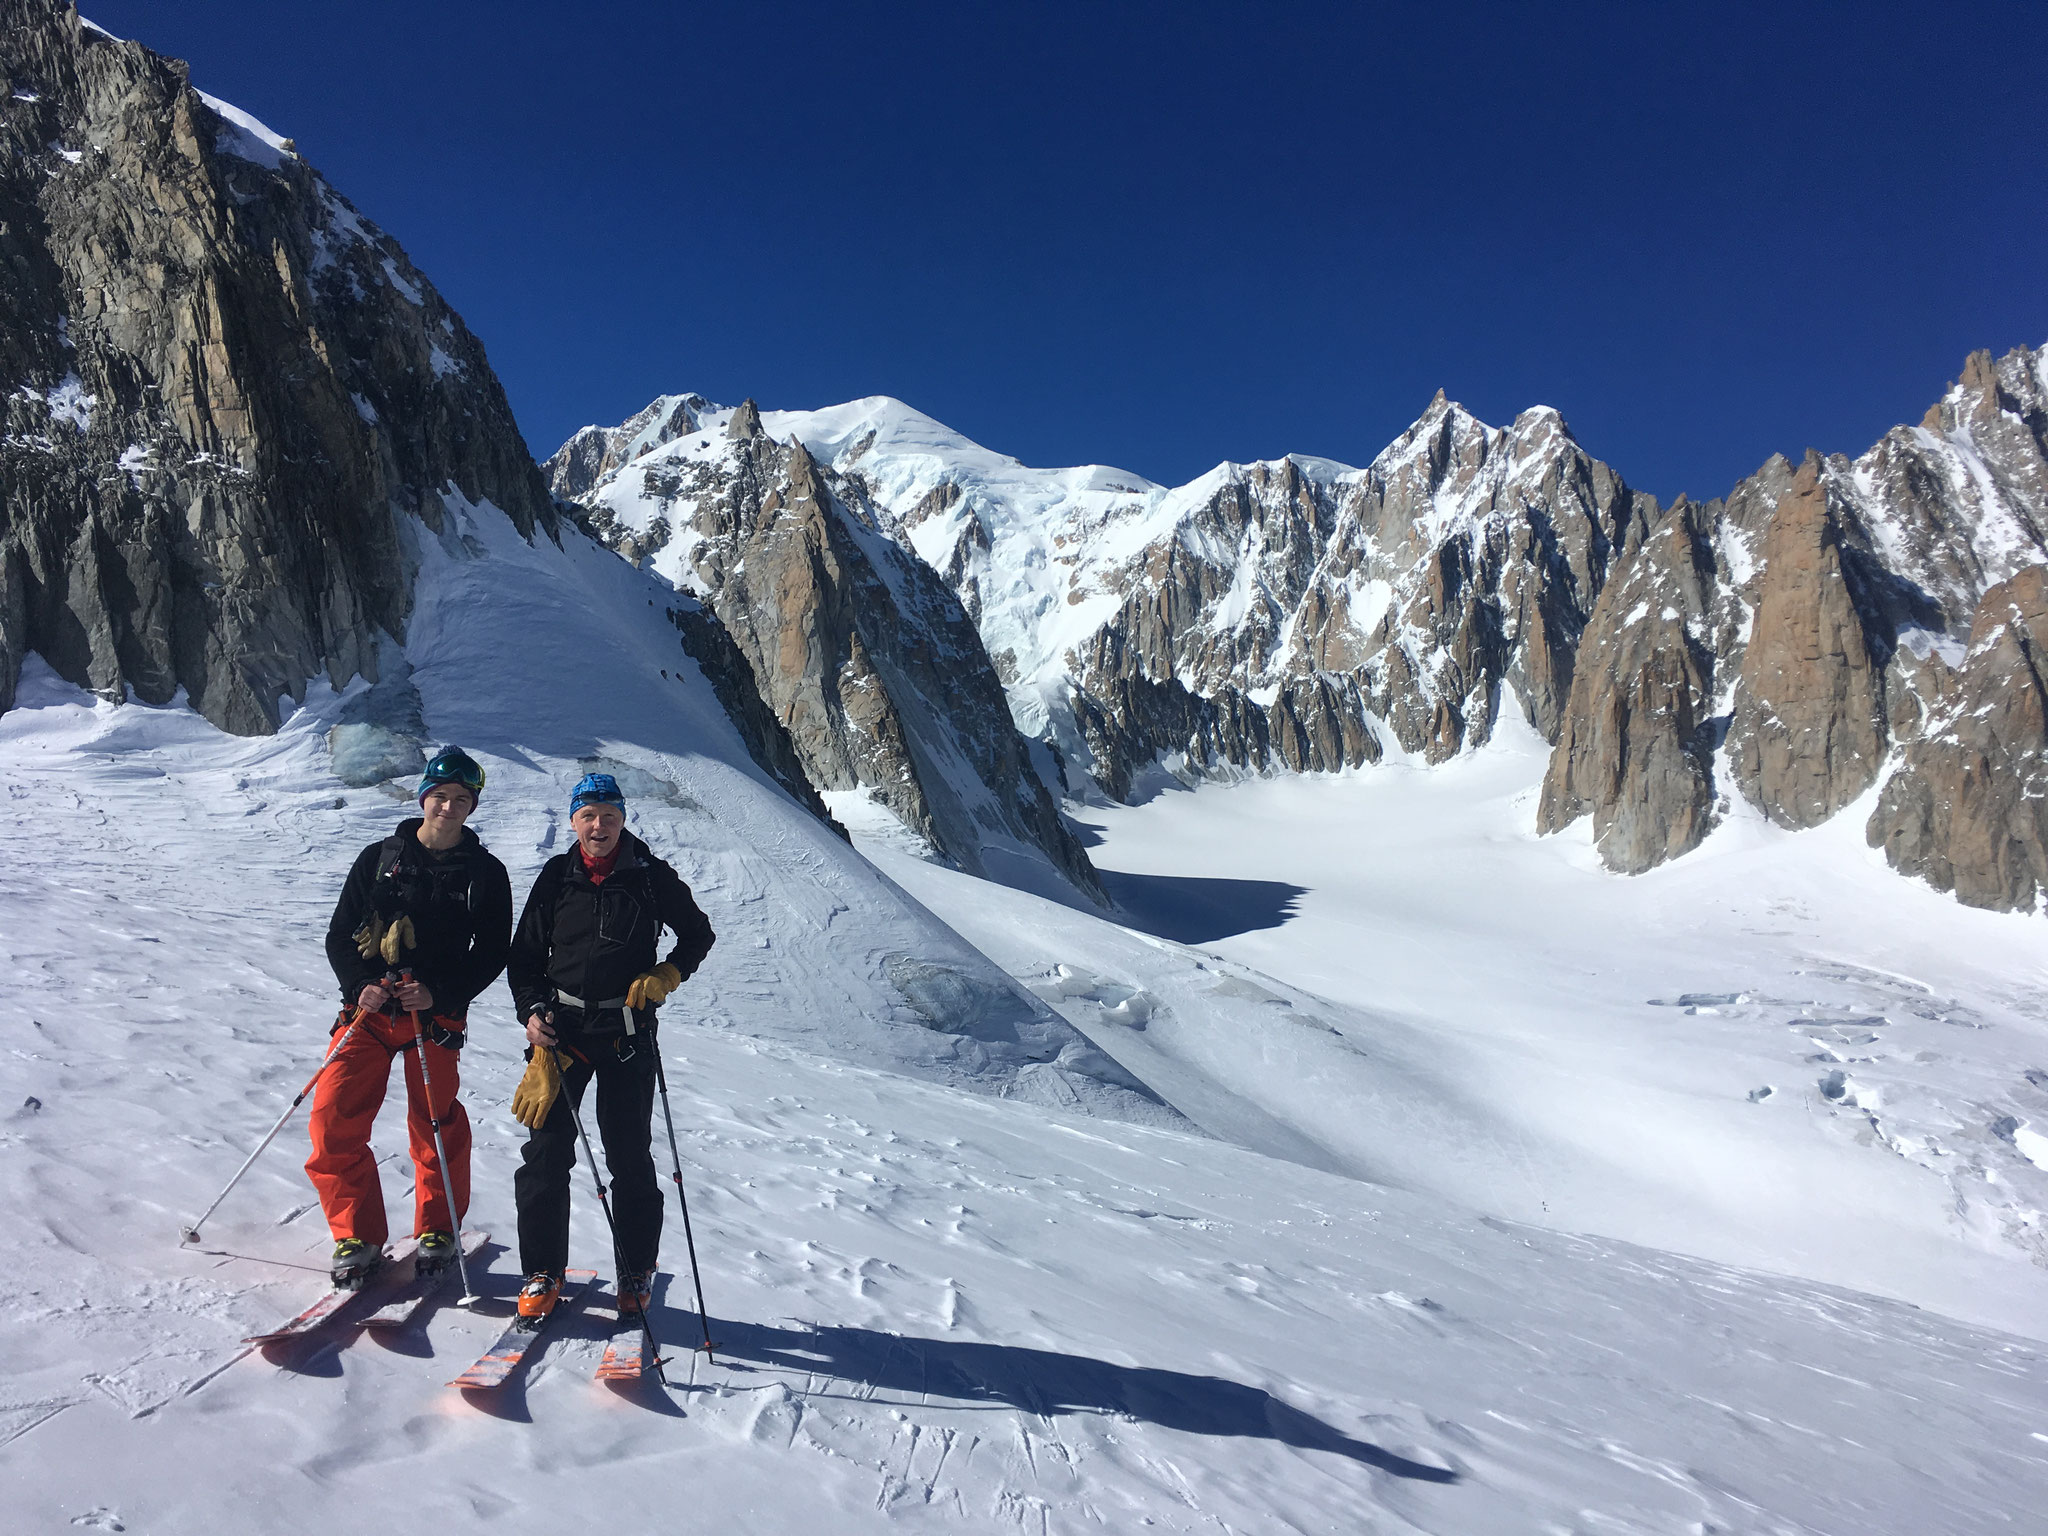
<point x="636" y="1293"/>
<point x="354" y="1262"/>
<point x="436" y="1252"/>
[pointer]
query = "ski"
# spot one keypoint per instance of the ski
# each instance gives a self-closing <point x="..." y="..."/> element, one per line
<point x="497" y="1363"/>
<point x="625" y="1352"/>
<point x="339" y="1296"/>
<point x="398" y="1311"/>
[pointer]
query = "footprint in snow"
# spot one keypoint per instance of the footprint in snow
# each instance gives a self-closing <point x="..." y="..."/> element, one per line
<point x="99" y="1520"/>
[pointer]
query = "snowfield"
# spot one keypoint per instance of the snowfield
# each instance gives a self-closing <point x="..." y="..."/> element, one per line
<point x="1773" y="1052"/>
<point x="1334" y="1272"/>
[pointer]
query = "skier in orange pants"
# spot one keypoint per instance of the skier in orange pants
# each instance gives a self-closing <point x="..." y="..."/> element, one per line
<point x="423" y="925"/>
<point x="351" y="1091"/>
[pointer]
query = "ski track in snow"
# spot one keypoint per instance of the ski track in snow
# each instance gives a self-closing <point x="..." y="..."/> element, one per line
<point x="937" y="1309"/>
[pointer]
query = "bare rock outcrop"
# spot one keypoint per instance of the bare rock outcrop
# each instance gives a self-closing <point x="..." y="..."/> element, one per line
<point x="1300" y="615"/>
<point x="1835" y="601"/>
<point x="865" y="658"/>
<point x="726" y="668"/>
<point x="225" y="392"/>
<point x="1636" y="746"/>
<point x="1967" y="810"/>
<point x="1808" y="734"/>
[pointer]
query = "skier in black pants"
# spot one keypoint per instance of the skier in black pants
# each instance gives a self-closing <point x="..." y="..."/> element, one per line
<point x="586" y="981"/>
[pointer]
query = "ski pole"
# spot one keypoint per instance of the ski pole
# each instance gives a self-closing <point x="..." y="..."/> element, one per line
<point x="190" y="1234"/>
<point x="419" y="1031"/>
<point x="618" y="1259"/>
<point x="683" y="1200"/>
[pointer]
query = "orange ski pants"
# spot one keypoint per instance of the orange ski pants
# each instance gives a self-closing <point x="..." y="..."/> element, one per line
<point x="350" y="1092"/>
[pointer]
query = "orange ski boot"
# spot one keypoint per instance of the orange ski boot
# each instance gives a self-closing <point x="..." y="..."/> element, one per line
<point x="537" y="1299"/>
<point x="636" y="1293"/>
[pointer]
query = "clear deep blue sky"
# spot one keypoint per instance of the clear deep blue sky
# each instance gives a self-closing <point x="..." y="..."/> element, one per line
<point x="1160" y="235"/>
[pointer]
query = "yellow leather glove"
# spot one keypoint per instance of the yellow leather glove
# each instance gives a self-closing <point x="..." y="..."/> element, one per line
<point x="535" y="1095"/>
<point x="651" y="988"/>
<point x="370" y="937"/>
<point x="397" y="939"/>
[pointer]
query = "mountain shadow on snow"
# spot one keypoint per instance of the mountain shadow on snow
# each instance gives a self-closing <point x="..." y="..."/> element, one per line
<point x="1044" y="1382"/>
<point x="1200" y="909"/>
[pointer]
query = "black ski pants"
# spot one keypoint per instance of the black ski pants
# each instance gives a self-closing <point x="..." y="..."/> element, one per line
<point x="624" y="1071"/>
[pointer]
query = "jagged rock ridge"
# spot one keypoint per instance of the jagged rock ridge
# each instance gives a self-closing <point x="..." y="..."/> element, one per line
<point x="1782" y="643"/>
<point x="865" y="657"/>
<point x="1828" y="609"/>
<point x="595" y="452"/>
<point x="232" y="406"/>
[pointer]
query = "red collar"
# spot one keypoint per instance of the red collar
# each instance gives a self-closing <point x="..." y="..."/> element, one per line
<point x="600" y="869"/>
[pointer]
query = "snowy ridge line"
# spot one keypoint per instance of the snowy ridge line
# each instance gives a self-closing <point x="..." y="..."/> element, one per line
<point x="1041" y="557"/>
<point x="893" y="691"/>
<point x="1300" y="613"/>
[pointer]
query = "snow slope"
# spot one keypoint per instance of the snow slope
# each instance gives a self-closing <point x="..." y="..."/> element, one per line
<point x="939" y="1309"/>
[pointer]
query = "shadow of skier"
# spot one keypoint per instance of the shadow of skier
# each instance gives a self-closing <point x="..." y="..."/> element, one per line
<point x="1042" y="1382"/>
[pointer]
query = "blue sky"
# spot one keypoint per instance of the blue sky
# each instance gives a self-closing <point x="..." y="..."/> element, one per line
<point x="1159" y="235"/>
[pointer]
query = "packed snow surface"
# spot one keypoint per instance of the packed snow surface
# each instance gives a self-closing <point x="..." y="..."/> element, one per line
<point x="962" y="1276"/>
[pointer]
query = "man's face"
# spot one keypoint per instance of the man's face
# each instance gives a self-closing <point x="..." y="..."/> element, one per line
<point x="597" y="828"/>
<point x="447" y="806"/>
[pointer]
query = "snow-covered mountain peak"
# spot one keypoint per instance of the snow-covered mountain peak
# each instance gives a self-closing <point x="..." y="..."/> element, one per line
<point x="1049" y="561"/>
<point x="867" y="657"/>
<point x="594" y="452"/>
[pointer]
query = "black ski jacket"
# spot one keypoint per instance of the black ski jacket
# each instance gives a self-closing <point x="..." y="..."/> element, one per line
<point x="460" y="904"/>
<point x="590" y="941"/>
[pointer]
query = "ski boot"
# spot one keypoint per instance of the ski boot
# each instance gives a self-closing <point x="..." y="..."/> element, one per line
<point x="436" y="1252"/>
<point x="538" y="1297"/>
<point x="636" y="1292"/>
<point x="354" y="1262"/>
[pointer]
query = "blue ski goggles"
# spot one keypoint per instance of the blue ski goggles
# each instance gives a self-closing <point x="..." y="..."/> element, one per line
<point x="452" y="765"/>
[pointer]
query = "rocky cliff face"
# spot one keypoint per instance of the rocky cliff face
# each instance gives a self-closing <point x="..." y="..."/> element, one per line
<point x="1826" y="612"/>
<point x="1968" y="808"/>
<point x="1808" y="734"/>
<point x="865" y="657"/>
<point x="226" y="392"/>
<point x="1635" y="740"/>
